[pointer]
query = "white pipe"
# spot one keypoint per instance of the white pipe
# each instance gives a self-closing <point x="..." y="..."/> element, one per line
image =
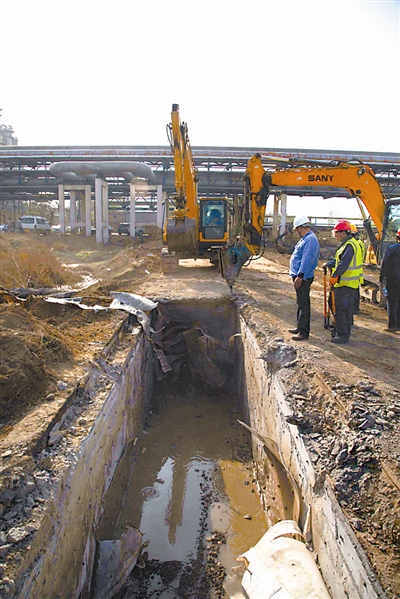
<point x="116" y="168"/>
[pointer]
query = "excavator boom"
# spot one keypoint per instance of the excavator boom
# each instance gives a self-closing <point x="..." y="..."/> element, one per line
<point x="358" y="179"/>
<point x="185" y="172"/>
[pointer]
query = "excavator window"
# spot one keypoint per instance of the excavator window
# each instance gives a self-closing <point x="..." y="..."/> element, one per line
<point x="214" y="218"/>
<point x="213" y="215"/>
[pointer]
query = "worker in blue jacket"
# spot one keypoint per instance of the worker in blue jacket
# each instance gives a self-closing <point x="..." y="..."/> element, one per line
<point x="303" y="263"/>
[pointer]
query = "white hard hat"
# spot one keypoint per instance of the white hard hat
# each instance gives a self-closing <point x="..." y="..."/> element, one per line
<point x="300" y="220"/>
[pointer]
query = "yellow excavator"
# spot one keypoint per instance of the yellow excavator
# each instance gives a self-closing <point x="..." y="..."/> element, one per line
<point x="195" y="227"/>
<point x="358" y="179"/>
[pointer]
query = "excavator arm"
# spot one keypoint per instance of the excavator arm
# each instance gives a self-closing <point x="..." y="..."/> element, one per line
<point x="185" y="171"/>
<point x="233" y="257"/>
<point x="358" y="179"/>
<point x="182" y="229"/>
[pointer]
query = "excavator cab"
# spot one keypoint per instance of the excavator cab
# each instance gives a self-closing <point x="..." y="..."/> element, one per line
<point x="213" y="222"/>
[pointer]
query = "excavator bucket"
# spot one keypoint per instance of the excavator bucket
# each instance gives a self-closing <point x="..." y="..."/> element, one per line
<point x="182" y="235"/>
<point x="232" y="259"/>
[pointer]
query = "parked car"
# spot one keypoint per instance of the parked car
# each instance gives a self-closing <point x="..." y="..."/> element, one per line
<point x="57" y="229"/>
<point x="35" y="223"/>
<point x="124" y="229"/>
<point x="110" y="230"/>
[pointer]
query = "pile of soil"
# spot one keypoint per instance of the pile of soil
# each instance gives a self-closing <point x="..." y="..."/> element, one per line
<point x="33" y="354"/>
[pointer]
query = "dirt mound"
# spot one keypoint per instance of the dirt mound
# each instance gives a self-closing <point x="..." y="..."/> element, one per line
<point x="131" y="266"/>
<point x="31" y="352"/>
<point x="27" y="262"/>
<point x="43" y="342"/>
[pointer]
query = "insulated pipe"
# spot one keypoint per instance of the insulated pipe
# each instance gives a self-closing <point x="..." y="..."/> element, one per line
<point x="72" y="177"/>
<point x="119" y="168"/>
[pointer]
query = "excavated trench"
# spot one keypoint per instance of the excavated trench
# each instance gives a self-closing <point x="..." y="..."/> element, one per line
<point x="169" y="486"/>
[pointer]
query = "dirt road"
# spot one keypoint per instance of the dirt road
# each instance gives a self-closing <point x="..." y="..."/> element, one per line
<point x="353" y="389"/>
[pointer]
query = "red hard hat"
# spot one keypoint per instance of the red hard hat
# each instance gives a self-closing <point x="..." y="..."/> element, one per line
<point x="398" y="233"/>
<point x="342" y="225"/>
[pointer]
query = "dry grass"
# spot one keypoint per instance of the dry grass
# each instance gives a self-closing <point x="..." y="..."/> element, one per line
<point x="28" y="262"/>
<point x="31" y="261"/>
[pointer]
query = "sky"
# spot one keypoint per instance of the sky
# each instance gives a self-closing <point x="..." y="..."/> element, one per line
<point x="299" y="74"/>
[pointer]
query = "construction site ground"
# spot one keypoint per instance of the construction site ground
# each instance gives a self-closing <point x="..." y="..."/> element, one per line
<point x="345" y="398"/>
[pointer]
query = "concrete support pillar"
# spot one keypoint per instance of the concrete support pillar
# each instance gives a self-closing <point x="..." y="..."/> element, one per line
<point x="97" y="210"/>
<point x="61" y="208"/>
<point x="282" y="227"/>
<point x="105" y="220"/>
<point x="101" y="210"/>
<point x="72" y="210"/>
<point x="88" y="210"/>
<point x="275" y="217"/>
<point x="132" y="213"/>
<point x="160" y="206"/>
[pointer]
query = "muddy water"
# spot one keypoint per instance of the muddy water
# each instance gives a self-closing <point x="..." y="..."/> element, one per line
<point x="193" y="497"/>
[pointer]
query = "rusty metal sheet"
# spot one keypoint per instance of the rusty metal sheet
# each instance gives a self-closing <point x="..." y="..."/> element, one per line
<point x="115" y="560"/>
<point x="216" y="350"/>
<point x="202" y="363"/>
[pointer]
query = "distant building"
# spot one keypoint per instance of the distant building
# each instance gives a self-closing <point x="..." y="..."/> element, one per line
<point x="7" y="136"/>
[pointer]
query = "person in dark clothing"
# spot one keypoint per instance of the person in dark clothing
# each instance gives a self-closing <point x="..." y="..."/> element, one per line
<point x="303" y="262"/>
<point x="345" y="280"/>
<point x="215" y="218"/>
<point x="390" y="275"/>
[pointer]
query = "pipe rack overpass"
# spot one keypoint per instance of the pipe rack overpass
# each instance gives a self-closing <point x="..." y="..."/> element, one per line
<point x="25" y="171"/>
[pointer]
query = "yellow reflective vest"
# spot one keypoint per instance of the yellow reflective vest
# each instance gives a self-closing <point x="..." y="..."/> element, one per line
<point x="351" y="277"/>
<point x="361" y="244"/>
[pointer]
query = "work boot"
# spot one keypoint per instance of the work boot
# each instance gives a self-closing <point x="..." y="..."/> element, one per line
<point x="391" y="330"/>
<point x="337" y="339"/>
<point x="293" y="331"/>
<point x="300" y="337"/>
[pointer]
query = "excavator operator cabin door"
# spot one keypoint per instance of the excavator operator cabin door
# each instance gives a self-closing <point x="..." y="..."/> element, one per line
<point x="213" y="220"/>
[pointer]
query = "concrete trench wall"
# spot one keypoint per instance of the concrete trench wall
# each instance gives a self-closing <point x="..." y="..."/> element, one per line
<point x="62" y="553"/>
<point x="344" y="566"/>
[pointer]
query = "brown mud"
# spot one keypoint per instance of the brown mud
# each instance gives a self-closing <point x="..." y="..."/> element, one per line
<point x="192" y="495"/>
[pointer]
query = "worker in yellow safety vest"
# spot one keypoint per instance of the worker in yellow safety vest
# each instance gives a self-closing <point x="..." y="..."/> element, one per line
<point x="356" y="235"/>
<point x="345" y="279"/>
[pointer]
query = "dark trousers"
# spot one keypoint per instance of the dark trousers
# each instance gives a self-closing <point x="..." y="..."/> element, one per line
<point x="393" y="302"/>
<point x="304" y="307"/>
<point x="344" y="301"/>
<point x="357" y="301"/>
